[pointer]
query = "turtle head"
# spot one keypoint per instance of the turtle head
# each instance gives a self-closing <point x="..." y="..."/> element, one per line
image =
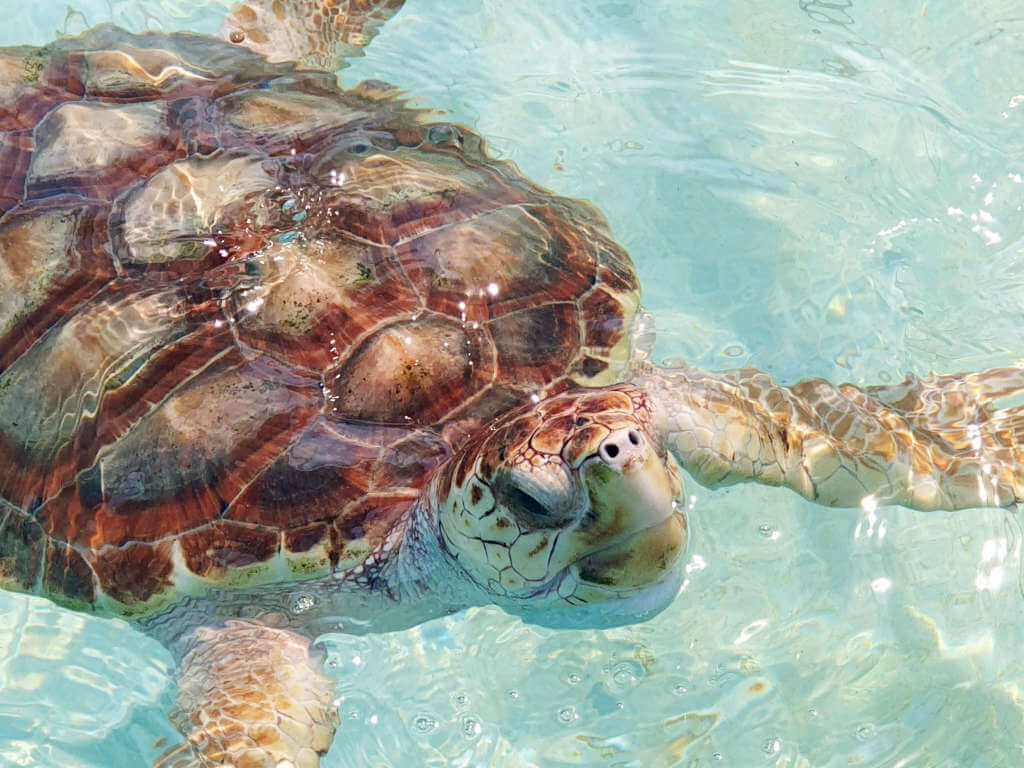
<point x="566" y="512"/>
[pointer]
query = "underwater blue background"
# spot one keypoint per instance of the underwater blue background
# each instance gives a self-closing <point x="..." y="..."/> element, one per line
<point x="813" y="187"/>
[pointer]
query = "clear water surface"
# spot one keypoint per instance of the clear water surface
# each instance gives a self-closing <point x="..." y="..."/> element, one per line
<point x="815" y="187"/>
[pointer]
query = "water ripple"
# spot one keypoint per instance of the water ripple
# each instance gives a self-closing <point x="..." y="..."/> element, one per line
<point x="815" y="188"/>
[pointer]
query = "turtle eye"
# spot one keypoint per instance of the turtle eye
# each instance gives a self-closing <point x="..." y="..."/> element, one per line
<point x="520" y="501"/>
<point x="526" y="508"/>
<point x="539" y="499"/>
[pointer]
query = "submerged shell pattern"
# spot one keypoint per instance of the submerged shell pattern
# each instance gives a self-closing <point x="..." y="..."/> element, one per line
<point x="244" y="314"/>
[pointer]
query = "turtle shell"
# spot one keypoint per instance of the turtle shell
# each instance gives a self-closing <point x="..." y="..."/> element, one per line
<point x="244" y="314"/>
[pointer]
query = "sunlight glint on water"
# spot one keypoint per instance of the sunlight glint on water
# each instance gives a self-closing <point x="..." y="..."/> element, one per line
<point x="815" y="188"/>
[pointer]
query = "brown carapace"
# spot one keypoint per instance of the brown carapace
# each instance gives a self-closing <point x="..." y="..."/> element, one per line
<point x="244" y="314"/>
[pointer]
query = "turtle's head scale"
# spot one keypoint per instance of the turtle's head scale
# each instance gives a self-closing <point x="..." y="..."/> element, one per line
<point x="566" y="512"/>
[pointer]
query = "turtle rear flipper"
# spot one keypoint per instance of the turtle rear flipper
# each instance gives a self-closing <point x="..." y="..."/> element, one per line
<point x="317" y="34"/>
<point x="250" y="696"/>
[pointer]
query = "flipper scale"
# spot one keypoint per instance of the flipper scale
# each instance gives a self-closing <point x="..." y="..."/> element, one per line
<point x="927" y="443"/>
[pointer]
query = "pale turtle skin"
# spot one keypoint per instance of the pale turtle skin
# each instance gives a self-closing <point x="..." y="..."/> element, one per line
<point x="278" y="358"/>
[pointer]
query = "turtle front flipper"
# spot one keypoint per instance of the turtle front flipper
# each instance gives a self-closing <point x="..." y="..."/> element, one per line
<point x="317" y="34"/>
<point x="250" y="696"/>
<point x="933" y="443"/>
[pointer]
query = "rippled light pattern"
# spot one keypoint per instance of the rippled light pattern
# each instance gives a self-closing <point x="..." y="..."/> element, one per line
<point x="815" y="188"/>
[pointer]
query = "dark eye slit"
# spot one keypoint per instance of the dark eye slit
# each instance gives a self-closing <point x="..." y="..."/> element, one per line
<point x="521" y="501"/>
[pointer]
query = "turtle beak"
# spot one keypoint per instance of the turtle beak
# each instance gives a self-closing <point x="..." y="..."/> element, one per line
<point x="633" y="533"/>
<point x="628" y="483"/>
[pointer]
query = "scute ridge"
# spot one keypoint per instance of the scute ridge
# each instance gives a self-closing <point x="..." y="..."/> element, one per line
<point x="53" y="260"/>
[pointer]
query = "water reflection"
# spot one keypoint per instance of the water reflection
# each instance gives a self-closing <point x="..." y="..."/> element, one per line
<point x="821" y="195"/>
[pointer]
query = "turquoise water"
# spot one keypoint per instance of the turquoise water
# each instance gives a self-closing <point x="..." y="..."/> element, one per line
<point x="814" y="187"/>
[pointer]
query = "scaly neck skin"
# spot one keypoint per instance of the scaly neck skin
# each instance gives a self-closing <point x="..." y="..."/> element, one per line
<point x="415" y="581"/>
<point x="421" y="567"/>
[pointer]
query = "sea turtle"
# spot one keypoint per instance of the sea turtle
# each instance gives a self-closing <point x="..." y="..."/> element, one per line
<point x="278" y="358"/>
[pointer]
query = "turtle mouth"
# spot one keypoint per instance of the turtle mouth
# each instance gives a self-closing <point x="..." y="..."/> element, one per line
<point x="638" y="559"/>
<point x="637" y="532"/>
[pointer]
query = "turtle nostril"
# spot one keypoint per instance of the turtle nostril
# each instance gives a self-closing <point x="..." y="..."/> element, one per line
<point x="623" y="448"/>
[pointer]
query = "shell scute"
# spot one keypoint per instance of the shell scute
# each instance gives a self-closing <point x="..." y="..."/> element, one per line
<point x="135" y="573"/>
<point x="215" y="549"/>
<point x="23" y="104"/>
<point x="195" y="121"/>
<point x="12" y="77"/>
<point x="184" y="462"/>
<point x="318" y="297"/>
<point x="51" y="259"/>
<point x="66" y="573"/>
<point x="139" y="73"/>
<point x="15" y="156"/>
<point x="278" y="121"/>
<point x="409" y="462"/>
<point x="109" y="63"/>
<point x="80" y="359"/>
<point x="366" y="524"/>
<point x="192" y="210"/>
<point x="534" y="344"/>
<point x="318" y="475"/>
<point x="133" y="72"/>
<point x="387" y="197"/>
<point x="594" y="372"/>
<point x="304" y="537"/>
<point x="616" y="273"/>
<point x="22" y="546"/>
<point x="92" y="148"/>
<point x="412" y="372"/>
<point x="494" y="263"/>
<point x="606" y="318"/>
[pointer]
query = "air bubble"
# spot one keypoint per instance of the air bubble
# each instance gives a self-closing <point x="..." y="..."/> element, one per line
<point x="568" y="714"/>
<point x="680" y="688"/>
<point x="625" y="675"/>
<point x="866" y="731"/>
<point x="765" y="530"/>
<point x="471" y="727"/>
<point x="303" y="603"/>
<point x="574" y="679"/>
<point x="772" y="746"/>
<point x="424" y="724"/>
<point x="734" y="350"/>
